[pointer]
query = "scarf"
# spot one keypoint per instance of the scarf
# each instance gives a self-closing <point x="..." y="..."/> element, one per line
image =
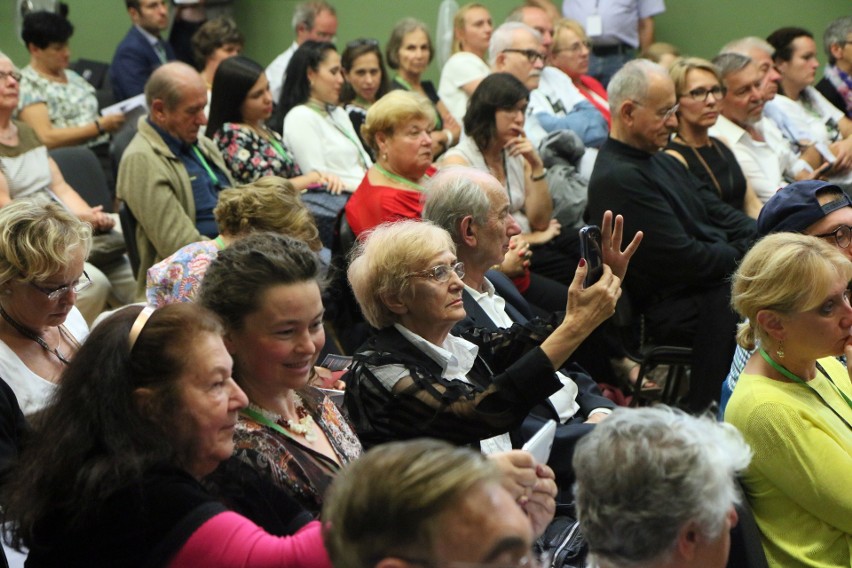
<point x="842" y="83"/>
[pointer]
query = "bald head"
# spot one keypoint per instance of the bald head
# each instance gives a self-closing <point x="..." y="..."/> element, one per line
<point x="176" y="97"/>
<point x="642" y="101"/>
<point x="536" y="18"/>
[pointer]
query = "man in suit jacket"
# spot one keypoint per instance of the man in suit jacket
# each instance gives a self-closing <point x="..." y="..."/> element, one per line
<point x="142" y="50"/>
<point x="474" y="208"/>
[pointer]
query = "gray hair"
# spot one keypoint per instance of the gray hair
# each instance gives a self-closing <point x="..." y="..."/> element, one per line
<point x="453" y="194"/>
<point x="836" y="32"/>
<point x="167" y="83"/>
<point x="631" y="82"/>
<point x="744" y="46"/>
<point x="306" y="12"/>
<point x="643" y="474"/>
<point x="504" y="36"/>
<point x="728" y="63"/>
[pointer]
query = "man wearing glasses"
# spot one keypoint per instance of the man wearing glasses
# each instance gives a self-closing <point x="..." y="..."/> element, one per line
<point x="693" y="241"/>
<point x="516" y="49"/>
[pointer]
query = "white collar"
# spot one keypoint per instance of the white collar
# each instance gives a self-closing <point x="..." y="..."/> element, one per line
<point x="455" y="356"/>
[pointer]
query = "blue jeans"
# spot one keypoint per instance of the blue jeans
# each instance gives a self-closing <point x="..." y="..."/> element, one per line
<point x="604" y="67"/>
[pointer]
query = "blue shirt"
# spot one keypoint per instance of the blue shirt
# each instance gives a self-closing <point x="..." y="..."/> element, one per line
<point x="205" y="191"/>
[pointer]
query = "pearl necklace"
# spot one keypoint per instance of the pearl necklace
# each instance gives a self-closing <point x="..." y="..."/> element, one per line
<point x="304" y="426"/>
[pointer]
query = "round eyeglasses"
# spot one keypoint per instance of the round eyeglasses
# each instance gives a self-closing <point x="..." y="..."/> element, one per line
<point x="54" y="294"/>
<point x="440" y="273"/>
<point x="842" y="236"/>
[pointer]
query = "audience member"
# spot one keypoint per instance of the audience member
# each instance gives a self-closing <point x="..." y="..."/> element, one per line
<point x="366" y="81"/>
<point x="397" y="129"/>
<point x="836" y="84"/>
<point x="472" y="206"/>
<point x="26" y="170"/>
<point x="314" y="20"/>
<point x="692" y="239"/>
<point x="55" y="101"/>
<point x="216" y="40"/>
<point x="566" y="96"/>
<point x="699" y="91"/>
<point x="266" y="288"/>
<point x="515" y="48"/>
<point x="616" y="31"/>
<point x="170" y="177"/>
<point x="427" y="503"/>
<point x="142" y="50"/>
<point x="240" y="106"/>
<point x="682" y="512"/>
<point x="792" y="400"/>
<point x="409" y="52"/>
<point x="145" y="410"/>
<point x="803" y="106"/>
<point x="42" y="251"/>
<point x="815" y="208"/>
<point x="309" y="104"/>
<point x="763" y="154"/>
<point x="415" y="379"/>
<point x="269" y="204"/>
<point x="466" y="67"/>
<point x="661" y="52"/>
<point x="760" y="52"/>
<point x="538" y="19"/>
<point x="494" y="141"/>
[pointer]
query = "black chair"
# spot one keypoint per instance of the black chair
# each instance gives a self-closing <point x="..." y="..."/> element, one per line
<point x="746" y="546"/>
<point x="119" y="144"/>
<point x="128" y="229"/>
<point x="630" y="328"/>
<point x="82" y="170"/>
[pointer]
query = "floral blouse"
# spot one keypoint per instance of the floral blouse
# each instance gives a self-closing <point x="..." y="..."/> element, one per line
<point x="301" y="471"/>
<point x="249" y="156"/>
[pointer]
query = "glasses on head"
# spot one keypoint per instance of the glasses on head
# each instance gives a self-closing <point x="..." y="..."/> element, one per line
<point x="664" y="114"/>
<point x="440" y="273"/>
<point x="362" y="41"/>
<point x="54" y="294"/>
<point x="531" y="54"/>
<point x="574" y="47"/>
<point x="842" y="236"/>
<point x="16" y="75"/>
<point x="701" y="94"/>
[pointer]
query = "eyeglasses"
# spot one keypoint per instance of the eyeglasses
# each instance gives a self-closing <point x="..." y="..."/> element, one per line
<point x="81" y="284"/>
<point x="842" y="236"/>
<point x="531" y="54"/>
<point x="362" y="41"/>
<point x="440" y="273"/>
<point x="701" y="93"/>
<point x="665" y="114"/>
<point x="16" y="75"/>
<point x="574" y="48"/>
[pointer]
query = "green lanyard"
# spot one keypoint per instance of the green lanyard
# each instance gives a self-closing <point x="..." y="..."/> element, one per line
<point x="796" y="379"/>
<point x="438" y="122"/>
<point x="207" y="167"/>
<point x="278" y="148"/>
<point x="398" y="179"/>
<point x="258" y="417"/>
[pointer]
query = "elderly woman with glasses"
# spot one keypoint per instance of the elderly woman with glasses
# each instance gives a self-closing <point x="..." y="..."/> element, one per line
<point x="414" y="379"/>
<point x="42" y="251"/>
<point x="700" y="91"/>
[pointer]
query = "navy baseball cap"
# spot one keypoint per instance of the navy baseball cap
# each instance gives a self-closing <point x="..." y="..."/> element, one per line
<point x="795" y="207"/>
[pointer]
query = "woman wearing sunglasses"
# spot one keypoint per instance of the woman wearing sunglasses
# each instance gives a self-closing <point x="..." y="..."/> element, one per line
<point x="700" y="91"/>
<point x="42" y="251"/>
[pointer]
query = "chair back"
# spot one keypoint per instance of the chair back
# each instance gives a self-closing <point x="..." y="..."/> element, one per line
<point x="746" y="546"/>
<point x="128" y="229"/>
<point x="82" y="170"/>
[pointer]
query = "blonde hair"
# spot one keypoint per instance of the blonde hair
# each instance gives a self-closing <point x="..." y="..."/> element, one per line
<point x="787" y="273"/>
<point x="385" y="257"/>
<point x="269" y="204"/>
<point x="568" y="24"/>
<point x="37" y="239"/>
<point x="681" y="68"/>
<point x="458" y="23"/>
<point x="392" y="110"/>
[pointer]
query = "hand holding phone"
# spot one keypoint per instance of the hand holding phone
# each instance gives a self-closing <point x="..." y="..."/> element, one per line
<point x="590" y="249"/>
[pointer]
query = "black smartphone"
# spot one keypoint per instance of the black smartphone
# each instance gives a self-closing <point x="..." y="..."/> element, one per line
<point x="590" y="249"/>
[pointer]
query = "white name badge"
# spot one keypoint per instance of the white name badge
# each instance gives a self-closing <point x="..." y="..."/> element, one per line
<point x="594" y="25"/>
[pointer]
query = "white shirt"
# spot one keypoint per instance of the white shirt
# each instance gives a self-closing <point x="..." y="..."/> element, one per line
<point x="460" y="69"/>
<point x="326" y="143"/>
<point x="277" y="69"/>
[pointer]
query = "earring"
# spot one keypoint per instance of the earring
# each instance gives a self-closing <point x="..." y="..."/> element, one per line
<point x="385" y="156"/>
<point x="780" y="350"/>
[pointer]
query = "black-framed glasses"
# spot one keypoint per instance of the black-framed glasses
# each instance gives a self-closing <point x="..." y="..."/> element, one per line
<point x="665" y="114"/>
<point x="842" y="236"/>
<point x="16" y="75"/>
<point x="361" y="42"/>
<point x="531" y="54"/>
<point x="54" y="294"/>
<point x="701" y="94"/>
<point x="440" y="273"/>
<point x="574" y="47"/>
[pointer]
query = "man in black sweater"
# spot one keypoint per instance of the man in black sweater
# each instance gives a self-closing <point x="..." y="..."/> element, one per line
<point x="693" y="240"/>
